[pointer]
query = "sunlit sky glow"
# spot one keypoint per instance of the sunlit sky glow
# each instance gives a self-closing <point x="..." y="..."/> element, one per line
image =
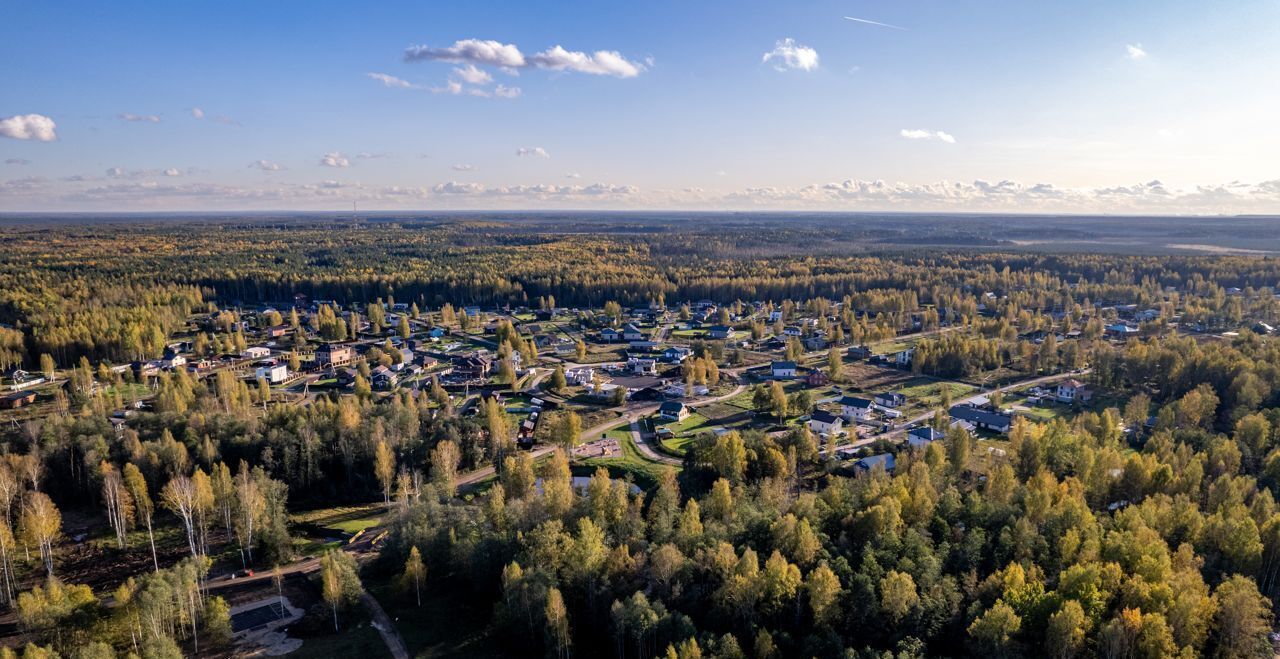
<point x="1092" y="106"/>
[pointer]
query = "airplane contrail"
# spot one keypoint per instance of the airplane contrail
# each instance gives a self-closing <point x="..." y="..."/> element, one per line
<point x="863" y="20"/>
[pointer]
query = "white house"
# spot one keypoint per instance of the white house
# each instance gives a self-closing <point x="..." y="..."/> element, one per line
<point x="256" y="352"/>
<point x="643" y="366"/>
<point x="580" y="376"/>
<point x="1072" y="390"/>
<point x="274" y="373"/>
<point x="783" y="369"/>
<point x="825" y="423"/>
<point x="792" y="330"/>
<point x="855" y="408"/>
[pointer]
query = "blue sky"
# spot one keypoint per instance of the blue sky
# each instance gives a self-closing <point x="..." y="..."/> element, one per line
<point x="1078" y="107"/>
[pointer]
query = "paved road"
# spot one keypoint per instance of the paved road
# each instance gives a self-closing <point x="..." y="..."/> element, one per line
<point x="387" y="629"/>
<point x="897" y="433"/>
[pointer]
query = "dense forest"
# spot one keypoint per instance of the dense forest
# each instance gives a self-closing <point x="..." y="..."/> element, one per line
<point x="1148" y="529"/>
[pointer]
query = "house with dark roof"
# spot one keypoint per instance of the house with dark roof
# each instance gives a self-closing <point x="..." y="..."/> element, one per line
<point x="869" y="464"/>
<point x="673" y="410"/>
<point x="922" y="437"/>
<point x="825" y="423"/>
<point x="610" y="335"/>
<point x="784" y="369"/>
<point x="720" y="331"/>
<point x="855" y="408"/>
<point x="676" y="354"/>
<point x="891" y="399"/>
<point x="981" y="418"/>
<point x="632" y="333"/>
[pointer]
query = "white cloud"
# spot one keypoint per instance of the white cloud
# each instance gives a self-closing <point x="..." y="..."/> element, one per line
<point x="602" y="62"/>
<point x="501" y="91"/>
<point x="472" y="75"/>
<point x="139" y="118"/>
<point x="29" y="127"/>
<point x="573" y="175"/>
<point x="787" y="54"/>
<point x="536" y="151"/>
<point x="538" y="192"/>
<point x="172" y="172"/>
<point x="450" y="87"/>
<point x="335" y="159"/>
<point x="1135" y="51"/>
<point x="462" y="167"/>
<point x="265" y="165"/>
<point x="508" y="57"/>
<point x="475" y="51"/>
<point x="390" y="80"/>
<point x="922" y="134"/>
<point x="17" y="161"/>
<point x="454" y="187"/>
<point x="197" y="113"/>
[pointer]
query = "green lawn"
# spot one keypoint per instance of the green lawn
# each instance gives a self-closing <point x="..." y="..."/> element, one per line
<point x="691" y="424"/>
<point x="632" y="463"/>
<point x="619" y="433"/>
<point x="927" y="393"/>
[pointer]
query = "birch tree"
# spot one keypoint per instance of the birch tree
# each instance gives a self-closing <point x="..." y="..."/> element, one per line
<point x="143" y="506"/>
<point x="179" y="498"/>
<point x="42" y="523"/>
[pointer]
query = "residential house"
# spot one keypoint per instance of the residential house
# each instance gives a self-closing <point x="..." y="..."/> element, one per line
<point x="673" y="410"/>
<point x="610" y="335"/>
<point x="859" y="352"/>
<point x="883" y="461"/>
<point x="792" y="330"/>
<point x="329" y="355"/>
<point x="921" y="437"/>
<point x="815" y="341"/>
<point x="816" y="378"/>
<point x="274" y="372"/>
<point x="172" y="361"/>
<point x="472" y="366"/>
<point x="891" y="399"/>
<point x="256" y="352"/>
<point x="640" y="366"/>
<point x="775" y="316"/>
<point x="632" y="333"/>
<point x="382" y="378"/>
<point x="720" y="331"/>
<point x="825" y="423"/>
<point x="855" y="408"/>
<point x="1072" y="390"/>
<point x="676" y="354"/>
<point x="277" y="331"/>
<point x="436" y="332"/>
<point x="17" y="399"/>
<point x="580" y="376"/>
<point x="982" y="418"/>
<point x="783" y="369"/>
<point x="1121" y="331"/>
<point x="903" y="358"/>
